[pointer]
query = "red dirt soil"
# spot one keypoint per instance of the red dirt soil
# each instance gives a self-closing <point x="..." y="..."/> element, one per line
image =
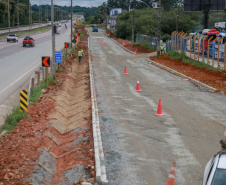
<point x="21" y="148"/>
<point x="212" y="78"/>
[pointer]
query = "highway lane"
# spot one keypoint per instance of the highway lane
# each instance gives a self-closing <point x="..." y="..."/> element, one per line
<point x="17" y="63"/>
<point x="140" y="147"/>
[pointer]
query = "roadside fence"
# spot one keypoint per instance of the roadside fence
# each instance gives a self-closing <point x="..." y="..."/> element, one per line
<point x="210" y="49"/>
<point x="145" y="39"/>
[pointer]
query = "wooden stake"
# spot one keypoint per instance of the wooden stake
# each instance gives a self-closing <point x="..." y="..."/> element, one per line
<point x="46" y="74"/>
<point x="194" y="45"/>
<point x="198" y="45"/>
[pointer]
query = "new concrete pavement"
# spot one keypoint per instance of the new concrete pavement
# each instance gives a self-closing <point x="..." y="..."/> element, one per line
<point x="140" y="147"/>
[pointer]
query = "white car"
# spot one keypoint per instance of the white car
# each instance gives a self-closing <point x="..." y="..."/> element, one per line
<point x="215" y="170"/>
<point x="12" y="37"/>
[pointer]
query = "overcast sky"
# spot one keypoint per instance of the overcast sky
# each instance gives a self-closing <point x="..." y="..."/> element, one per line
<point x="86" y="3"/>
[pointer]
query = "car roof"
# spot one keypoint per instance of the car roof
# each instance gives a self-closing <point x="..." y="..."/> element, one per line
<point x="222" y="162"/>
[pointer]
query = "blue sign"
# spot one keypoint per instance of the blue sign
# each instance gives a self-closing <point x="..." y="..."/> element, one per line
<point x="58" y="57"/>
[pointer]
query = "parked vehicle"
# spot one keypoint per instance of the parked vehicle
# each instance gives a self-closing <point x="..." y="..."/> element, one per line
<point x="211" y="33"/>
<point x="28" y="41"/>
<point x="95" y="28"/>
<point x="222" y="44"/>
<point x="12" y="37"/>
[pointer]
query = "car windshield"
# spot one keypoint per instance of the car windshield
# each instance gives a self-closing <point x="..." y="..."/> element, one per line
<point x="219" y="177"/>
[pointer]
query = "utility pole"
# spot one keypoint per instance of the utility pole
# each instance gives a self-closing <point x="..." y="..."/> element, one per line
<point x="18" y="19"/>
<point x="53" y="42"/>
<point x="29" y="19"/>
<point x="178" y="12"/>
<point x="8" y="16"/>
<point x="159" y="28"/>
<point x="133" y="25"/>
<point x="71" y="23"/>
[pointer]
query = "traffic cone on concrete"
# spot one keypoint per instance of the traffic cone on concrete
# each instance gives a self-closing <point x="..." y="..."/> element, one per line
<point x="105" y="45"/>
<point x="159" y="110"/>
<point x="123" y="44"/>
<point x="138" y="86"/>
<point x="125" y="71"/>
<point x="135" y="51"/>
<point x="109" y="49"/>
<point x="171" y="178"/>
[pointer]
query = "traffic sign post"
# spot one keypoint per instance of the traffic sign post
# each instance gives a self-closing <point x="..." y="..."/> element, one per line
<point x="46" y="64"/>
<point x="58" y="57"/>
<point x="66" y="45"/>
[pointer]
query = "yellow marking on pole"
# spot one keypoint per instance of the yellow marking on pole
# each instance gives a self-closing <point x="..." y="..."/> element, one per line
<point x="23" y="100"/>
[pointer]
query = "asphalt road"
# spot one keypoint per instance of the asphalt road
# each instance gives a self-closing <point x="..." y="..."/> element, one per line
<point x="18" y="63"/>
<point x="140" y="147"/>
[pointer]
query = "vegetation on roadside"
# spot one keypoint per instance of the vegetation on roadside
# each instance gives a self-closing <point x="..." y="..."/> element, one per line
<point x="36" y="92"/>
<point x="181" y="56"/>
<point x="12" y="119"/>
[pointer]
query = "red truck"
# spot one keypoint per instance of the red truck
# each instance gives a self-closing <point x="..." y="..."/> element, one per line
<point x="211" y="33"/>
<point x="28" y="41"/>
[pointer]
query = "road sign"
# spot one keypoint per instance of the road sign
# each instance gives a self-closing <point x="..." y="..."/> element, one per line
<point x="45" y="61"/>
<point x="58" y="57"/>
<point x="66" y="45"/>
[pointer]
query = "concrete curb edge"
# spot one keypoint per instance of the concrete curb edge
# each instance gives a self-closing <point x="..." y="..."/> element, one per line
<point x="196" y="82"/>
<point x="101" y="177"/>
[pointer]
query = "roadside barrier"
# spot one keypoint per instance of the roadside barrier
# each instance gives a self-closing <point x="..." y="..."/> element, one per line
<point x="138" y="86"/>
<point x="171" y="178"/>
<point x="159" y="110"/>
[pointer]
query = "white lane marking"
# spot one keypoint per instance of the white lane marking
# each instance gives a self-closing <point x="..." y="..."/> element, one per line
<point x="18" y="79"/>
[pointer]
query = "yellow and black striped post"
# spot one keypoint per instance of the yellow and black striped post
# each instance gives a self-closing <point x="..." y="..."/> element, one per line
<point x="23" y="100"/>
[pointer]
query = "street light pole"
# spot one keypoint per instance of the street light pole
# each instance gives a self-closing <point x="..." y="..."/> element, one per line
<point x="71" y="22"/>
<point x="133" y="25"/>
<point x="8" y="16"/>
<point x="18" y="19"/>
<point x="53" y="65"/>
<point x="159" y="28"/>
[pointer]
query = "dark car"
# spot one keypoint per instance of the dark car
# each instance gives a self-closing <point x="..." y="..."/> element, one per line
<point x="28" y="41"/>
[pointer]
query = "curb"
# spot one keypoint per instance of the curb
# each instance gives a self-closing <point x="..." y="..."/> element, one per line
<point x="131" y="52"/>
<point x="101" y="176"/>
<point x="196" y="82"/>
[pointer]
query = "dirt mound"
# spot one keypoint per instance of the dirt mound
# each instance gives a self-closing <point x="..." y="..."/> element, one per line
<point x="128" y="44"/>
<point x="212" y="78"/>
<point x="54" y="145"/>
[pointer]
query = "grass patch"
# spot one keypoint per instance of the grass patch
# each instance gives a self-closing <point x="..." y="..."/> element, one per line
<point x="181" y="56"/>
<point x="136" y="43"/>
<point x="145" y="45"/>
<point x="36" y="92"/>
<point x="32" y="31"/>
<point x="12" y="119"/>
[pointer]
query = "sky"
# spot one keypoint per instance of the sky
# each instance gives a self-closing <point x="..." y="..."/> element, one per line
<point x="83" y="3"/>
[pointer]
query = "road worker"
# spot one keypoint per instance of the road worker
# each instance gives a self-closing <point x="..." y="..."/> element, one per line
<point x="162" y="49"/>
<point x="80" y="52"/>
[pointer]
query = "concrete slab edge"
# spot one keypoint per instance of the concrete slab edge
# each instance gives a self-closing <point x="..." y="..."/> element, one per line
<point x="101" y="176"/>
<point x="196" y="82"/>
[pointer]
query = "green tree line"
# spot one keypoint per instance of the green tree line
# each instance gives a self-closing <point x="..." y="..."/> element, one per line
<point x="146" y="19"/>
<point x="39" y="13"/>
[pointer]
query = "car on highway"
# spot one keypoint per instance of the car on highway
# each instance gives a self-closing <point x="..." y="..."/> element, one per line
<point x="28" y="41"/>
<point x="12" y="37"/>
<point x="215" y="170"/>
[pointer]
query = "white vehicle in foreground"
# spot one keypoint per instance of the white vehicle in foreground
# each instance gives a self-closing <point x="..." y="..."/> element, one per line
<point x="12" y="37"/>
<point x="215" y="170"/>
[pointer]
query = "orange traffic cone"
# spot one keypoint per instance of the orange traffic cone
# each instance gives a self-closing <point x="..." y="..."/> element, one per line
<point x="123" y="44"/>
<point x="105" y="45"/>
<point x="138" y="86"/>
<point x="159" y="111"/>
<point x="135" y="51"/>
<point x="125" y="71"/>
<point x="109" y="49"/>
<point x="171" y="178"/>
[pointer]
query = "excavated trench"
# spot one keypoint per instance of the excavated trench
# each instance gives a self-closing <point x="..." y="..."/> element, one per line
<point x="54" y="144"/>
